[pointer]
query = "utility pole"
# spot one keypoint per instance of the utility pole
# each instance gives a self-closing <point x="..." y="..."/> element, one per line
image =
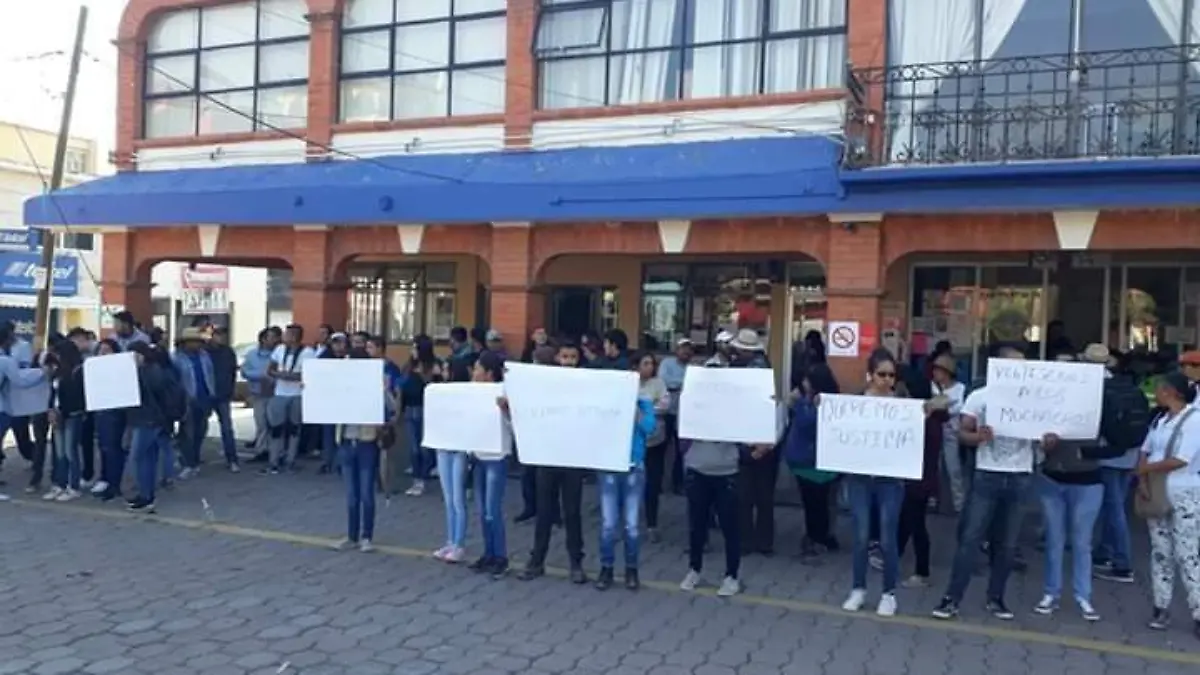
<point x="42" y="315"/>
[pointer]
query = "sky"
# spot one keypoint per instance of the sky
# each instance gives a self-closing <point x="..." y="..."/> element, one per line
<point x="32" y="93"/>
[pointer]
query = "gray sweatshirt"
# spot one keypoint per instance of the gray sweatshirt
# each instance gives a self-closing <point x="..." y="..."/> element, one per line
<point x="712" y="458"/>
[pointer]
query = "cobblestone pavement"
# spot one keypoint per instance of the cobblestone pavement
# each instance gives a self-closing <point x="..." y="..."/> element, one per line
<point x="249" y="588"/>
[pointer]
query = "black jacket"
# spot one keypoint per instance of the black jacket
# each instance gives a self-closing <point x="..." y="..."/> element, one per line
<point x="225" y="367"/>
<point x="152" y="384"/>
<point x="68" y="397"/>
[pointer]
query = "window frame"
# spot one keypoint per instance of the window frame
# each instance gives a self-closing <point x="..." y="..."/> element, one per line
<point x="452" y="20"/>
<point x="683" y="47"/>
<point x="197" y="94"/>
<point x="380" y="281"/>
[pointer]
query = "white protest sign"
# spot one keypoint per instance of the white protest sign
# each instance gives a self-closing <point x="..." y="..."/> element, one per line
<point x="463" y="416"/>
<point x="734" y="405"/>
<point x="342" y="391"/>
<point x="111" y="382"/>
<point x="572" y="417"/>
<point x="871" y="435"/>
<point x="1028" y="399"/>
<point x="842" y="339"/>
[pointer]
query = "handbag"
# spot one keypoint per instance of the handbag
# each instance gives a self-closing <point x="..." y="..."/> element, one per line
<point x="1150" y="499"/>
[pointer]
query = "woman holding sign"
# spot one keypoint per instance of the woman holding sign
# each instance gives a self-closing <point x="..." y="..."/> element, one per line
<point x="887" y="494"/>
<point x="491" y="476"/>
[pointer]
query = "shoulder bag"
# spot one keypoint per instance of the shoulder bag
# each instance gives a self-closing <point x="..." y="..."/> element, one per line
<point x="1150" y="499"/>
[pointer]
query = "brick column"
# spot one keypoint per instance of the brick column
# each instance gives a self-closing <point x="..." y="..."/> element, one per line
<point x="323" y="59"/>
<point x="130" y="54"/>
<point x="517" y="305"/>
<point x="866" y="47"/>
<point x="317" y="296"/>
<point x="520" y="94"/>
<point x="123" y="281"/>
<point x="854" y="284"/>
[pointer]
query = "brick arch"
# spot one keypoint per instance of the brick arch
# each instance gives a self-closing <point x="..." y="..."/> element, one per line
<point x="904" y="234"/>
<point x="780" y="236"/>
<point x="350" y="243"/>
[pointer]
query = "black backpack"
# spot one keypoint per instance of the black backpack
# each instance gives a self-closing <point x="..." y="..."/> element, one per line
<point x="1125" y="416"/>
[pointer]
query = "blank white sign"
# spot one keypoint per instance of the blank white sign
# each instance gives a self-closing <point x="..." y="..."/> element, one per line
<point x="464" y="417"/>
<point x="733" y="405"/>
<point x="111" y="382"/>
<point x="342" y="391"/>
<point x="572" y="417"/>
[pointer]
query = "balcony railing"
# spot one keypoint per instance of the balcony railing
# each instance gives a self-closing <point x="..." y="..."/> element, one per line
<point x="1128" y="103"/>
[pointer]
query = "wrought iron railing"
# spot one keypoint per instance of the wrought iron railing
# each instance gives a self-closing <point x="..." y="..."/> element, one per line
<point x="1127" y="103"/>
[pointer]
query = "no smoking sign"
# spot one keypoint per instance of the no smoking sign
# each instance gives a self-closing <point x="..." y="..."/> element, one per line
<point x="843" y="338"/>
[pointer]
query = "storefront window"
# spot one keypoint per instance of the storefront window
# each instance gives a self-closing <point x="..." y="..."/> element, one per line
<point x="400" y="302"/>
<point x="697" y="301"/>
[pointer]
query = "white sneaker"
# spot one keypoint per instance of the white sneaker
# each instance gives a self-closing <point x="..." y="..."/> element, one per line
<point x="52" y="494"/>
<point x="856" y="600"/>
<point x="729" y="587"/>
<point x="100" y="487"/>
<point x="85" y="484"/>
<point x="1046" y="606"/>
<point x="1088" y="612"/>
<point x="343" y="545"/>
<point x="887" y="605"/>
<point x="365" y="546"/>
<point x="417" y="489"/>
<point x="690" y="581"/>
<point x="68" y="495"/>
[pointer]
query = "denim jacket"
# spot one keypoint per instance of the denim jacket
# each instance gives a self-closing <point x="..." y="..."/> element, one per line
<point x="14" y="377"/>
<point x="254" y="369"/>
<point x="187" y="375"/>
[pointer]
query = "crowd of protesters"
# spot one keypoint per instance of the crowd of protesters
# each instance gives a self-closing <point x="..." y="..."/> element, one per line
<point x="1081" y="488"/>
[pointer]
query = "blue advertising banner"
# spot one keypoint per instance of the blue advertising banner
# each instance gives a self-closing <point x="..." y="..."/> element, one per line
<point x="20" y="240"/>
<point x="18" y="273"/>
<point x="23" y="317"/>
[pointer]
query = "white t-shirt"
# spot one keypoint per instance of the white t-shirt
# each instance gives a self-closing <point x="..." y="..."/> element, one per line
<point x="1002" y="455"/>
<point x="1187" y="449"/>
<point x="955" y="392"/>
<point x="294" y="364"/>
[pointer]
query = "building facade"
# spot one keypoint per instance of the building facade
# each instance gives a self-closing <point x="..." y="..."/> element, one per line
<point x="981" y="170"/>
<point x="26" y="158"/>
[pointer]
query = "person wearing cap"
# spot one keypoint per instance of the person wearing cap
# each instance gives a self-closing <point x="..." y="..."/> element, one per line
<point x="1189" y="365"/>
<point x="195" y="367"/>
<point x="942" y="375"/>
<point x="495" y="343"/>
<point x="671" y="372"/>
<point x="721" y="351"/>
<point x="1172" y="447"/>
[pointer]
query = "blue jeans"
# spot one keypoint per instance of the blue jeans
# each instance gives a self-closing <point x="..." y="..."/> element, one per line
<point x="224" y="412"/>
<point x="110" y="428"/>
<point x="452" y="474"/>
<point x="197" y="431"/>
<point x="888" y="495"/>
<point x="491" y="477"/>
<point x="328" y="444"/>
<point x="147" y="444"/>
<point x="360" y="471"/>
<point x="992" y="513"/>
<point x="68" y="462"/>
<point x="620" y="499"/>
<point x="1113" y="544"/>
<point x="1069" y="511"/>
<point x="421" y="459"/>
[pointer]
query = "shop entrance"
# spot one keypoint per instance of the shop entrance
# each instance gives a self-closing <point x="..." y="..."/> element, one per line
<point x="575" y="310"/>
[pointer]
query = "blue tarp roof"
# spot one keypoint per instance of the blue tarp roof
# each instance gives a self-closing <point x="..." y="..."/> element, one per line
<point x="681" y="180"/>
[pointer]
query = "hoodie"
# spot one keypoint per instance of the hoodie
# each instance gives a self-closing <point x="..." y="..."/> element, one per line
<point x="13" y="376"/>
<point x="643" y="425"/>
<point x="152" y="385"/>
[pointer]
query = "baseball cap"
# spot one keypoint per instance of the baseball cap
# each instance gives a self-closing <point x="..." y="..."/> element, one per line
<point x="493" y="335"/>
<point x="1190" y="358"/>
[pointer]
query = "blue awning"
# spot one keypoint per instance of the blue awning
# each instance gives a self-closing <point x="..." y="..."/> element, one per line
<point x="755" y="177"/>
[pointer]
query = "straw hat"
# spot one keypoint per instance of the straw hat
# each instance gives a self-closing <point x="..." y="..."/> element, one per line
<point x="947" y="363"/>
<point x="747" y="340"/>
<point x="191" y="334"/>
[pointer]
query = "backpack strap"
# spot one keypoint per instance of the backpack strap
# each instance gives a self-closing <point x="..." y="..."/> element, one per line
<point x="1173" y="442"/>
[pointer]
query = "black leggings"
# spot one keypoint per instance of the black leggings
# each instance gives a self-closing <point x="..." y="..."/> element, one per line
<point x="912" y="524"/>
<point x="818" y="518"/>
<point x="704" y="493"/>
<point x="656" y="464"/>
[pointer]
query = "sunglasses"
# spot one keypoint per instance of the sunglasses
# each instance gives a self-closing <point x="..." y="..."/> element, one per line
<point x="886" y="374"/>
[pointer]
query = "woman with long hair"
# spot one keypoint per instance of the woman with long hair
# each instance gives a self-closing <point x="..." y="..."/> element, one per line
<point x="358" y="455"/>
<point x="423" y="368"/>
<point x="491" y="476"/>
<point x="66" y="415"/>
<point x="800" y="453"/>
<point x="653" y="389"/>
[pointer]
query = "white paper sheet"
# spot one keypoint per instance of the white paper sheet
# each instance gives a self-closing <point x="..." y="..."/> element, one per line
<point x="1028" y="399"/>
<point x="871" y="435"/>
<point x="111" y="382"/>
<point x="735" y="405"/>
<point x="342" y="391"/>
<point x="463" y="416"/>
<point x="572" y="417"/>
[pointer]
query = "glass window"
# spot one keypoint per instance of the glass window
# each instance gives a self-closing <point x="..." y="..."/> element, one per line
<point x="229" y="68"/>
<point x="649" y="51"/>
<point x="400" y="302"/>
<point x="437" y="58"/>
